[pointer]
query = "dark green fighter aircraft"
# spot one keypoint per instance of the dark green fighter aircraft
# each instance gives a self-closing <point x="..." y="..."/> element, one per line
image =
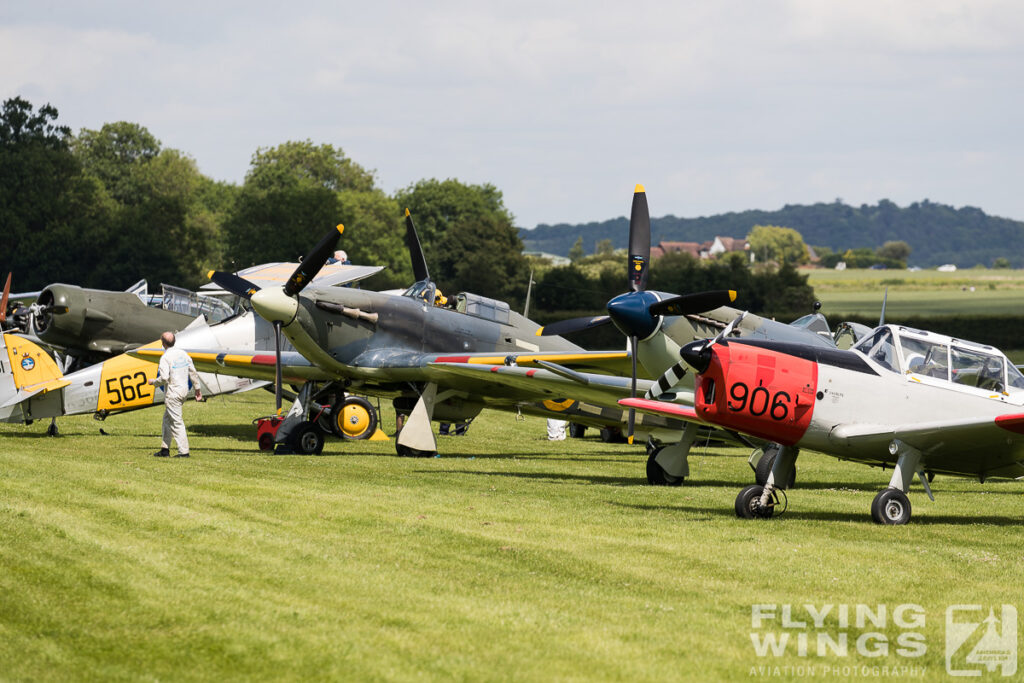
<point x="398" y="346"/>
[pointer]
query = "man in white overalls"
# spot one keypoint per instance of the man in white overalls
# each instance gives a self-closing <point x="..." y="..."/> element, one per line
<point x="174" y="373"/>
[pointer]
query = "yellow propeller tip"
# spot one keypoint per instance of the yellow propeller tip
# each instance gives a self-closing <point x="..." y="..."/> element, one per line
<point x="639" y="188"/>
<point x="407" y="213"/>
<point x="732" y="295"/>
<point x="630" y="440"/>
<point x="539" y="332"/>
<point x="341" y="228"/>
<point x="209" y="276"/>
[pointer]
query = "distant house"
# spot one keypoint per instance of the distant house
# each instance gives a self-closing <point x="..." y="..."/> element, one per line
<point x="553" y="259"/>
<point x="661" y="248"/>
<point x="710" y="249"/>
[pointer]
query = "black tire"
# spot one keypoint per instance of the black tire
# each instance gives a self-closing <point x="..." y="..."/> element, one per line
<point x="307" y="439"/>
<point x="891" y="507"/>
<point x="656" y="474"/>
<point x="406" y="452"/>
<point x="266" y="441"/>
<point x="747" y="503"/>
<point x="611" y="435"/>
<point x="764" y="468"/>
<point x="353" y="418"/>
<point x="576" y="431"/>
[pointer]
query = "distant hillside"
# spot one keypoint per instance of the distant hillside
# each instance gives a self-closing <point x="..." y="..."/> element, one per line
<point x="936" y="233"/>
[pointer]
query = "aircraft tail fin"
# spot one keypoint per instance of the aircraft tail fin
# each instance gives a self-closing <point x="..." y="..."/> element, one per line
<point x="33" y="371"/>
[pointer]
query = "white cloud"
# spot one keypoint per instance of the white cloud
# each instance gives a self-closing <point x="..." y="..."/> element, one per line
<point x="564" y="106"/>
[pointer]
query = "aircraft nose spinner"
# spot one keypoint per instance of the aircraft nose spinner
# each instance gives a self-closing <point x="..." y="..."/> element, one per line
<point x="754" y="390"/>
<point x="274" y="305"/>
<point x="630" y="314"/>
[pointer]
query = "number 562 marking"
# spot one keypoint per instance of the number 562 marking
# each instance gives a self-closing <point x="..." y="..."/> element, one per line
<point x="125" y="389"/>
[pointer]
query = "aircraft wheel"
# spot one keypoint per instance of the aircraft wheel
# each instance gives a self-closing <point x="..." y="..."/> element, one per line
<point x="610" y="435"/>
<point x="307" y="439"/>
<point x="656" y="474"/>
<point x="406" y="452"/>
<point x="748" y="504"/>
<point x="890" y="506"/>
<point x="764" y="468"/>
<point x="577" y="431"/>
<point x="354" y="419"/>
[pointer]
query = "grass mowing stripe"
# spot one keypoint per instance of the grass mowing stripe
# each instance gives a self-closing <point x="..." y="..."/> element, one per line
<point x="511" y="557"/>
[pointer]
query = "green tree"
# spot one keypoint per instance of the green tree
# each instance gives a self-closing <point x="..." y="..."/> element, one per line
<point x="896" y="251"/>
<point x="604" y="248"/>
<point x="1001" y="262"/>
<point x="775" y="243"/>
<point x="576" y="253"/>
<point x="165" y="216"/>
<point x="291" y="196"/>
<point x="51" y="217"/>
<point x="468" y="238"/>
<point x="114" y="154"/>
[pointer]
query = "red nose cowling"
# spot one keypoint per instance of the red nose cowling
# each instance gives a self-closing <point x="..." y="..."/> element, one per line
<point x="758" y="391"/>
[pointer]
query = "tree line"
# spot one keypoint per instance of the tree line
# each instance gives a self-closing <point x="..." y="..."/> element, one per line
<point x="104" y="208"/>
<point x="934" y="233"/>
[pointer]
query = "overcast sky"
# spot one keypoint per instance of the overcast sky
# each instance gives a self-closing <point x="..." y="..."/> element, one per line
<point x="713" y="105"/>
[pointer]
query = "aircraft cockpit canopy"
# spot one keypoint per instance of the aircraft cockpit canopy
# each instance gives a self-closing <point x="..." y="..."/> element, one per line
<point x="423" y="290"/>
<point x="183" y="301"/>
<point x="926" y="354"/>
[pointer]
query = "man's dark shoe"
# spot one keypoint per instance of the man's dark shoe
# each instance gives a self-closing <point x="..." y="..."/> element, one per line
<point x="162" y="453"/>
<point x="181" y="455"/>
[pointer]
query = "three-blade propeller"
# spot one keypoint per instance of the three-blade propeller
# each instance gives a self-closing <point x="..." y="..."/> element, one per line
<point x="278" y="305"/>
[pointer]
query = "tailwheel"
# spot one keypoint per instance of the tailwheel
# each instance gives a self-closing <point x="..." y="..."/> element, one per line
<point x="307" y="439"/>
<point x="354" y="418"/>
<point x="748" y="503"/>
<point x="890" y="506"/>
<point x="656" y="474"/>
<point x="406" y="452"/>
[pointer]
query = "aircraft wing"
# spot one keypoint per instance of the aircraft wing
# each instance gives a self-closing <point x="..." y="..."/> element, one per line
<point x="679" y="411"/>
<point x="604" y="362"/>
<point x="247" y="363"/>
<point x="276" y="274"/>
<point x="538" y="383"/>
<point x="979" y="446"/>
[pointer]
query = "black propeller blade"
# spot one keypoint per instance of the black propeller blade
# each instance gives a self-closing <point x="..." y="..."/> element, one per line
<point x="639" y="241"/>
<point x="419" y="261"/>
<point x="693" y="303"/>
<point x="233" y="283"/>
<point x="313" y="261"/>
<point x="573" y="325"/>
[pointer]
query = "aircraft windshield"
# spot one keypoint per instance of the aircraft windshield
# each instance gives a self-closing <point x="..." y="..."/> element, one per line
<point x="423" y="290"/>
<point x="879" y="347"/>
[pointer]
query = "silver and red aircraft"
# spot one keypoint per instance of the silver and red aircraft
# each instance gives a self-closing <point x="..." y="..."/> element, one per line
<point x="918" y="402"/>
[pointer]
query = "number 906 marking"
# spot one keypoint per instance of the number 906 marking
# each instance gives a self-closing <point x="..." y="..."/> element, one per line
<point x="758" y="401"/>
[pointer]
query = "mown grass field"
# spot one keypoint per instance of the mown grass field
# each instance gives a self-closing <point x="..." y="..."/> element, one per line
<point x="924" y="292"/>
<point x="509" y="558"/>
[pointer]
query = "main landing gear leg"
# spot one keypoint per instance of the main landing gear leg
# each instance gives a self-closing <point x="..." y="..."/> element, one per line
<point x="759" y="502"/>
<point x="892" y="506"/>
<point x="667" y="466"/>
